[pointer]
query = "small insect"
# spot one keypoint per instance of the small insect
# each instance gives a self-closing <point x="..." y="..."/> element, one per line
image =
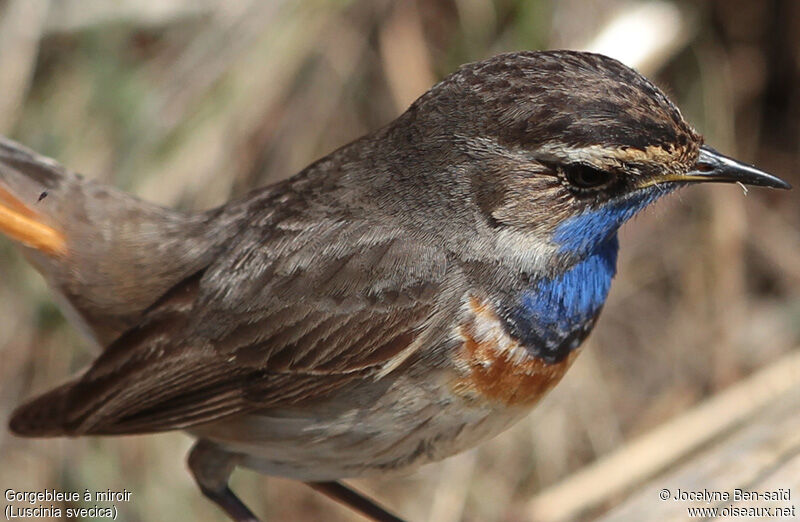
<point x="42" y="196"/>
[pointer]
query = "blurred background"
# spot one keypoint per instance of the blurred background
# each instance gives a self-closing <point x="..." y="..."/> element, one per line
<point x="190" y="102"/>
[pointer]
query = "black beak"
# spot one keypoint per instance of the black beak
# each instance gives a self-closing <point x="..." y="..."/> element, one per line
<point x="715" y="167"/>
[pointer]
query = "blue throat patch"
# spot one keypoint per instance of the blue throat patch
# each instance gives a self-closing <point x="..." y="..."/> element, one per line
<point x="554" y="315"/>
<point x="589" y="229"/>
<point x="576" y="295"/>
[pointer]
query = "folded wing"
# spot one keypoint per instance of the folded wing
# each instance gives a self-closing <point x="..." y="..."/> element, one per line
<point x="272" y="322"/>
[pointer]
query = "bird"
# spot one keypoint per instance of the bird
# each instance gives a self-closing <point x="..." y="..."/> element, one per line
<point x="398" y="301"/>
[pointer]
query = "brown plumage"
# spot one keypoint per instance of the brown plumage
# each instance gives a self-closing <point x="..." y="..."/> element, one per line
<point x="400" y="300"/>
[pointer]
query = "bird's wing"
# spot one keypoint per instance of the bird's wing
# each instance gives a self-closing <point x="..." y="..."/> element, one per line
<point x="272" y="322"/>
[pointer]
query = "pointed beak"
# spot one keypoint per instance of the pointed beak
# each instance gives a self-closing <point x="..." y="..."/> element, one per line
<point x="713" y="167"/>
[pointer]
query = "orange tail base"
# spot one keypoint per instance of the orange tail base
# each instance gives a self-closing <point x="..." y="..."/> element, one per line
<point x="21" y="223"/>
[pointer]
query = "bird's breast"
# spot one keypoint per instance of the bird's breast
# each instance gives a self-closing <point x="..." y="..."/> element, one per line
<point x="493" y="366"/>
<point x="514" y="349"/>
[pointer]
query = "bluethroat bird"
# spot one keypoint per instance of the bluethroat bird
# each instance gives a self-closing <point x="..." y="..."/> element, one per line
<point x="400" y="300"/>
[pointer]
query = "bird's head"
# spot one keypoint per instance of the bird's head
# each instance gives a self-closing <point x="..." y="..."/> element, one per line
<point x="567" y="144"/>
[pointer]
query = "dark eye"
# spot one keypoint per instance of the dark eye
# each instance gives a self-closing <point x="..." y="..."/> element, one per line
<point x="585" y="177"/>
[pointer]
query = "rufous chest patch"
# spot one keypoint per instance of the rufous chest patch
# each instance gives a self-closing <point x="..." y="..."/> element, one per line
<point x="493" y="366"/>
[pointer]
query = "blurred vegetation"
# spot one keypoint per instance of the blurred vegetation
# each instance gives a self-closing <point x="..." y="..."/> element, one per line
<point x="189" y="102"/>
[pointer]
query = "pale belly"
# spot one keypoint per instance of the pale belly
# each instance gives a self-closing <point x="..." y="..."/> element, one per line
<point x="407" y="425"/>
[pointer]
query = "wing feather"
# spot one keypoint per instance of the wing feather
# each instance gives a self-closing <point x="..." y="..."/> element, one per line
<point x="214" y="347"/>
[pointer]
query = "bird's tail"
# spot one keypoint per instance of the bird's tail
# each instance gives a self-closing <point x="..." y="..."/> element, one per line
<point x="25" y="181"/>
<point x="43" y="416"/>
<point x="107" y="254"/>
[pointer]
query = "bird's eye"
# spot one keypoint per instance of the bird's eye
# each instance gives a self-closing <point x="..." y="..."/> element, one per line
<point x="584" y="177"/>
